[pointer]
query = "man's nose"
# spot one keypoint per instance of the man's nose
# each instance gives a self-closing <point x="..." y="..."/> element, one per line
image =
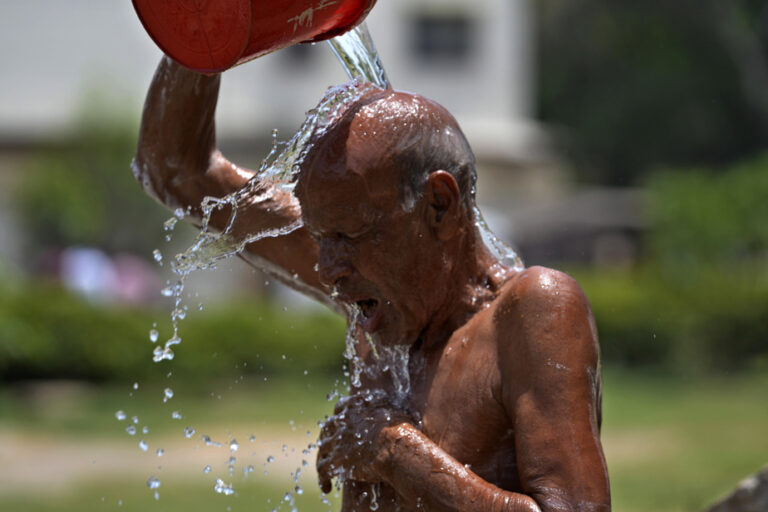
<point x="333" y="261"/>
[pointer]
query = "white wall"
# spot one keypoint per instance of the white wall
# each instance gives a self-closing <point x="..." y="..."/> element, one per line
<point x="55" y="51"/>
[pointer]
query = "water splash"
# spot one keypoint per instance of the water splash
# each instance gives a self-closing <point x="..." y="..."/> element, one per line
<point x="500" y="250"/>
<point x="220" y="487"/>
<point x="354" y="361"/>
<point x="278" y="171"/>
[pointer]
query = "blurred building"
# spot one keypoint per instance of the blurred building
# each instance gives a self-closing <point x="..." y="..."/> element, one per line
<point x="476" y="58"/>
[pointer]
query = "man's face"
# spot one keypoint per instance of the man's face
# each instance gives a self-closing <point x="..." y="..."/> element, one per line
<point x="372" y="252"/>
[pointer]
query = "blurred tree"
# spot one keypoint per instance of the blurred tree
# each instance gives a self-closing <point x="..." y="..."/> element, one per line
<point x="636" y="85"/>
<point x="81" y="192"/>
<point x="699" y="298"/>
<point x="709" y="221"/>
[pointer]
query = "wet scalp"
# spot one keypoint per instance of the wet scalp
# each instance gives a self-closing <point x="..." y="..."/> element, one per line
<point x="417" y="134"/>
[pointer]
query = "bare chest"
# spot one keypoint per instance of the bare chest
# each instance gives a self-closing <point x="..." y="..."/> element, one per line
<point x="457" y="399"/>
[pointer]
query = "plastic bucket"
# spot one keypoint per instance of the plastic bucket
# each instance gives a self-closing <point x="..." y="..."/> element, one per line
<point x="214" y="35"/>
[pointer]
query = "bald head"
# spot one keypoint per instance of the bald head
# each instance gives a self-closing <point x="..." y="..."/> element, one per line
<point x="401" y="131"/>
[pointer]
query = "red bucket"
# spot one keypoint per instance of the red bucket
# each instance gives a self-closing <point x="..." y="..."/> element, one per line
<point x="214" y="35"/>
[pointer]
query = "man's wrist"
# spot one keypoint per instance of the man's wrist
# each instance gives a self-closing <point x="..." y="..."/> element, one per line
<point x="386" y="447"/>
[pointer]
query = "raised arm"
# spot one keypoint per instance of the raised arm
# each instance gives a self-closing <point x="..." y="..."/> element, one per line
<point x="176" y="161"/>
<point x="178" y="164"/>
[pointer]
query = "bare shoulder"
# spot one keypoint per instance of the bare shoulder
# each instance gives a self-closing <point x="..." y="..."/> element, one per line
<point x="543" y="317"/>
<point x="536" y="287"/>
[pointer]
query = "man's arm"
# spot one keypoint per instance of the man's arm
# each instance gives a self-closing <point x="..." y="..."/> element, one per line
<point x="367" y="441"/>
<point x="178" y="164"/>
<point x="425" y="475"/>
<point x="551" y="388"/>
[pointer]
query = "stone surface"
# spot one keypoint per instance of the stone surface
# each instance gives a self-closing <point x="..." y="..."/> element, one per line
<point x="751" y="495"/>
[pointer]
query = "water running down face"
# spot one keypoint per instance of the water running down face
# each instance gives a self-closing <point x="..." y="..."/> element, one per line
<point x="374" y="252"/>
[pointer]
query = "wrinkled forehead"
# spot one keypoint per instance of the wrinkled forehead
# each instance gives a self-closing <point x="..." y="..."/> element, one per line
<point x="345" y="185"/>
<point x="356" y="156"/>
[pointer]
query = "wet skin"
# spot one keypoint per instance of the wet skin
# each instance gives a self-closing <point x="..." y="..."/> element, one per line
<point x="504" y="404"/>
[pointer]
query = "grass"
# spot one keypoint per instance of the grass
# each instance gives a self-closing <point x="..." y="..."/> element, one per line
<point x="672" y="443"/>
<point x="679" y="444"/>
<point x="180" y="496"/>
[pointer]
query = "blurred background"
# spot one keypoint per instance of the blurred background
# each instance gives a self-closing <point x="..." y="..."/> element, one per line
<point x="626" y="144"/>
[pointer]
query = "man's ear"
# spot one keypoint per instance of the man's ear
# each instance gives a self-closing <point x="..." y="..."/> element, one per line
<point x="443" y="204"/>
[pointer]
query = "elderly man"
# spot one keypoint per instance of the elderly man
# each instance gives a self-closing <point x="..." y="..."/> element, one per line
<point x="501" y="407"/>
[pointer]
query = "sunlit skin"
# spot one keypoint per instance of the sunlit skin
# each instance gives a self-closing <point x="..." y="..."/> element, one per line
<point x="504" y="404"/>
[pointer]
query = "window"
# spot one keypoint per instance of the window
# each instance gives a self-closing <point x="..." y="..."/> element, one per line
<point x="442" y="37"/>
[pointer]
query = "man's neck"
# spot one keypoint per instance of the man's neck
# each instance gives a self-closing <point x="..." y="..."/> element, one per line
<point x="476" y="279"/>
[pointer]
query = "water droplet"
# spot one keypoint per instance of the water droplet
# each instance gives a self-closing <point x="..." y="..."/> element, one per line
<point x="233" y="446"/>
<point x="145" y="429"/>
<point x="176" y="415"/>
<point x="167" y="394"/>
<point x="131" y="429"/>
<point x="157" y="255"/>
<point x="153" y="335"/>
<point x="120" y="415"/>
<point x="222" y="488"/>
<point x="298" y="490"/>
<point x="135" y="419"/>
<point x="173" y="340"/>
<point x="170" y="224"/>
<point x="252" y="438"/>
<point x="135" y="385"/>
<point x="179" y="213"/>
<point x="162" y="353"/>
<point x="153" y="482"/>
<point x="143" y="445"/>
<point x="189" y="432"/>
<point x="167" y="291"/>
<point x="207" y="469"/>
<point x="288" y="496"/>
<point x="270" y="459"/>
<point x="160" y="452"/>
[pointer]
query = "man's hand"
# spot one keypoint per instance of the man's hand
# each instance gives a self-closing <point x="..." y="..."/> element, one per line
<point x="350" y="445"/>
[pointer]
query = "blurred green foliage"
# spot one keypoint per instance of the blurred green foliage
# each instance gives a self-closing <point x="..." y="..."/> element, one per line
<point x="81" y="192"/>
<point x="45" y="332"/>
<point x="636" y="85"/>
<point x="699" y="298"/>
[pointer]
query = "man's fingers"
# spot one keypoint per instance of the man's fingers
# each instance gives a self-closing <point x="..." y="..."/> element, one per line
<point x="324" y="473"/>
<point x="325" y="486"/>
